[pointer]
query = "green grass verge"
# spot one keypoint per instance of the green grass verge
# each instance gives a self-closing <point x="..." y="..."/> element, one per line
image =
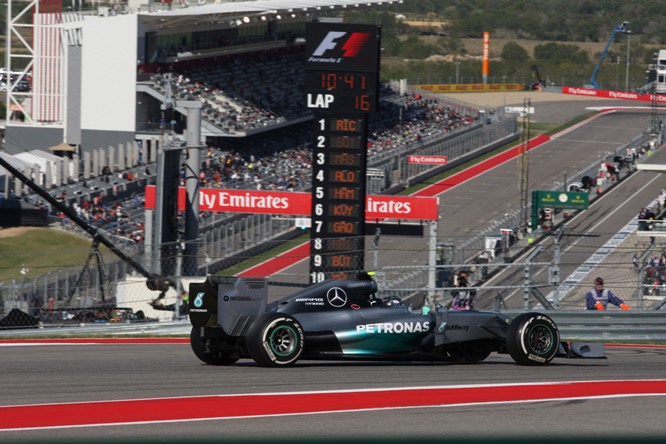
<point x="41" y="251"/>
<point x="570" y="123"/>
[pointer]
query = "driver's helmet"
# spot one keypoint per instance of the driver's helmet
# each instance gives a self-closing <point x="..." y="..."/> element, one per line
<point x="392" y="301"/>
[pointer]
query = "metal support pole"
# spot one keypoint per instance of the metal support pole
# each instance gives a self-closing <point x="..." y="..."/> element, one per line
<point x="527" y="278"/>
<point x="626" y="81"/>
<point x="192" y="185"/>
<point x="159" y="205"/>
<point x="375" y="252"/>
<point x="149" y="239"/>
<point x="179" y="274"/>
<point x="526" y="287"/>
<point x="555" y="271"/>
<point x="641" y="287"/>
<point x="432" y="264"/>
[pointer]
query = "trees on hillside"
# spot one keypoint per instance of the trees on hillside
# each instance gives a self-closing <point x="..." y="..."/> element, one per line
<point x="558" y="24"/>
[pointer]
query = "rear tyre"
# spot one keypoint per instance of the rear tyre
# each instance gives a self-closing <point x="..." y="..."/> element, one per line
<point x="532" y="339"/>
<point x="215" y="358"/>
<point x="275" y="340"/>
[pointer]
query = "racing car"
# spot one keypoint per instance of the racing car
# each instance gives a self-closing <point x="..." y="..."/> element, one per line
<point x="345" y="319"/>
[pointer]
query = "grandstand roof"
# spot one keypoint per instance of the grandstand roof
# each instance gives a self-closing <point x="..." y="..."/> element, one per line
<point x="237" y="13"/>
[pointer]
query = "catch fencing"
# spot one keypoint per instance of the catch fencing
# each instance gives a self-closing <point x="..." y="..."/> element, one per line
<point x="68" y="294"/>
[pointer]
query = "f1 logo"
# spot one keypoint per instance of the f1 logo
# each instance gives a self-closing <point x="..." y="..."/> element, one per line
<point x="351" y="48"/>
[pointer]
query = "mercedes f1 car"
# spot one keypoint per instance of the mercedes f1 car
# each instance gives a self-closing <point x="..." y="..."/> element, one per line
<point x="344" y="319"/>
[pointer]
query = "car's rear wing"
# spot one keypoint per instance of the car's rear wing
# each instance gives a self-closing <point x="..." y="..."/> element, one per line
<point x="231" y="302"/>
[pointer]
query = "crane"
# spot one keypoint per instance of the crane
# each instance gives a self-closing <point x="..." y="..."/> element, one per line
<point x="622" y="27"/>
<point x="154" y="282"/>
<point x="540" y="83"/>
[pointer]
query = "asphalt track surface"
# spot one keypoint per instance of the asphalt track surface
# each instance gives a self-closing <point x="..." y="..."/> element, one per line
<point x="607" y="216"/>
<point x="164" y="384"/>
<point x="620" y="398"/>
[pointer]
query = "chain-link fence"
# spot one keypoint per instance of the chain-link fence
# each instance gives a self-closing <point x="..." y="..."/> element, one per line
<point x="110" y="292"/>
<point x="632" y="266"/>
<point x="634" y="269"/>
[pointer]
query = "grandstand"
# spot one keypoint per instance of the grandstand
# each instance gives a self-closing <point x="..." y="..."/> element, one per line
<point x="91" y="91"/>
<point x="243" y="61"/>
<point x="110" y="104"/>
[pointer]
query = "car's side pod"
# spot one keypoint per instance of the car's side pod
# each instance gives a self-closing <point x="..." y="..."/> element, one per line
<point x="587" y="350"/>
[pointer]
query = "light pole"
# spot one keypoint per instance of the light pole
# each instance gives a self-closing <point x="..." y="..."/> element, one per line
<point x="457" y="71"/>
<point x="626" y="81"/>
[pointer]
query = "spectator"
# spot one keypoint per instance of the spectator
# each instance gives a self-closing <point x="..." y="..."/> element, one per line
<point x="463" y="299"/>
<point x="642" y="219"/>
<point x="600" y="297"/>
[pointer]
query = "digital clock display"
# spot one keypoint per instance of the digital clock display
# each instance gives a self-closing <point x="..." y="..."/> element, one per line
<point x="340" y="81"/>
<point x="341" y="91"/>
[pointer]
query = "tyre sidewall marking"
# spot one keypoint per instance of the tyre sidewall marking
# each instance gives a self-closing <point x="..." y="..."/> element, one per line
<point x="531" y="354"/>
<point x="267" y="347"/>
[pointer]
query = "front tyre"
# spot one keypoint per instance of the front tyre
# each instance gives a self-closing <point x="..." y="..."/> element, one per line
<point x="532" y="339"/>
<point x="275" y="340"/>
<point x="208" y="357"/>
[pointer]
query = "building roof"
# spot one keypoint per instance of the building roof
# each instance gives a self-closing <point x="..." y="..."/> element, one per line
<point x="239" y="13"/>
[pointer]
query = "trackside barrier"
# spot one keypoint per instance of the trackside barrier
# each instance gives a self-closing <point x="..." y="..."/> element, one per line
<point x="609" y="325"/>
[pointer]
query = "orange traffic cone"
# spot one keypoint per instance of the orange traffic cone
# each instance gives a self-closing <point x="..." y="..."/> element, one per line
<point x="599" y="190"/>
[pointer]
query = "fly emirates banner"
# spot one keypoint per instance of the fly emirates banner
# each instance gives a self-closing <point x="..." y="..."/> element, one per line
<point x="300" y="204"/>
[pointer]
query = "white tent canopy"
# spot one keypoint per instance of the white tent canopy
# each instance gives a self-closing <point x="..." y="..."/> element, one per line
<point x="44" y="160"/>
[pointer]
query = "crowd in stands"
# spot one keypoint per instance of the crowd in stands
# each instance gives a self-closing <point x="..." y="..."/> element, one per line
<point x="121" y="217"/>
<point x="418" y="118"/>
<point x="259" y="162"/>
<point x="289" y="169"/>
<point x="243" y="95"/>
<point x="254" y="93"/>
<point x="284" y="171"/>
<point x="654" y="277"/>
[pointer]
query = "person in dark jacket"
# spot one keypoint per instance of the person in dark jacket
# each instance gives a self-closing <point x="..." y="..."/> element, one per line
<point x="600" y="297"/>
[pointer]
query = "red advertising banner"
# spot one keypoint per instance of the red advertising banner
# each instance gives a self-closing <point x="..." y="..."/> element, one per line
<point x="299" y="204"/>
<point x="606" y="94"/>
<point x="427" y="160"/>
